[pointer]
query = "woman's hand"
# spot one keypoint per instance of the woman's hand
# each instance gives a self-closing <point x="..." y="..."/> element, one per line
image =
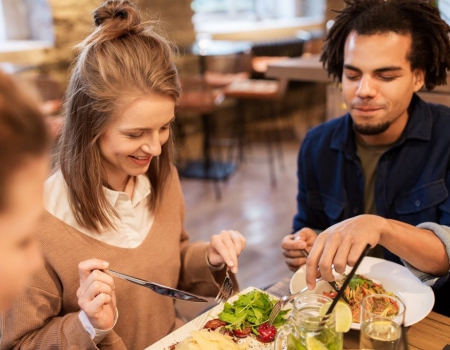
<point x="96" y="296"/>
<point x="226" y="248"/>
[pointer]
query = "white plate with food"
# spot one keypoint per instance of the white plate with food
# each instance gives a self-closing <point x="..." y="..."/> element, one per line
<point x="196" y="324"/>
<point x="397" y="279"/>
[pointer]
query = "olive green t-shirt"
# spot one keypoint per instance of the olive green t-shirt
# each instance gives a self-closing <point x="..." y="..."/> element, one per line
<point x="369" y="156"/>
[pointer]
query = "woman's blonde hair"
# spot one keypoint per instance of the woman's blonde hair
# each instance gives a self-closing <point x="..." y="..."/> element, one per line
<point x="121" y="60"/>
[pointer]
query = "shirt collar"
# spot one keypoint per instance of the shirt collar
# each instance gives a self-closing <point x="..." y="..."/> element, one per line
<point x="418" y="127"/>
<point x="141" y="191"/>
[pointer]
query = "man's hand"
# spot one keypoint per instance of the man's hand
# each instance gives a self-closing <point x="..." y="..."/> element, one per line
<point x="293" y="246"/>
<point x="96" y="295"/>
<point x="341" y="245"/>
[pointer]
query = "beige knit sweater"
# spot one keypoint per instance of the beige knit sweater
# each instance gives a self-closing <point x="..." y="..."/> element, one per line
<point x="46" y="315"/>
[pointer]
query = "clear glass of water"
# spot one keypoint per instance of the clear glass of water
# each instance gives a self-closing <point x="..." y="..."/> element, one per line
<point x="382" y="317"/>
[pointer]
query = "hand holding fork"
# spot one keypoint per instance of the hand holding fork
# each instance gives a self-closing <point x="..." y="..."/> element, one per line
<point x="225" y="248"/>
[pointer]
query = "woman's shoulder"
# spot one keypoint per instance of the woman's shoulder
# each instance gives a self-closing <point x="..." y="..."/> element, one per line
<point x="56" y="197"/>
<point x="54" y="185"/>
<point x="174" y="178"/>
<point x="172" y="192"/>
<point x="55" y="180"/>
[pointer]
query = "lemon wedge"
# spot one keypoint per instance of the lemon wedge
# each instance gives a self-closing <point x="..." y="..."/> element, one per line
<point x="342" y="313"/>
<point x="314" y="344"/>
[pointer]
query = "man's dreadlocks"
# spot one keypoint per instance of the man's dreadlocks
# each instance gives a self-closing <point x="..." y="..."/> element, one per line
<point x="430" y="48"/>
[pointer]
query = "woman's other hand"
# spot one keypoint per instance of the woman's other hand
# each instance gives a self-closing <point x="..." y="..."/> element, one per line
<point x="96" y="296"/>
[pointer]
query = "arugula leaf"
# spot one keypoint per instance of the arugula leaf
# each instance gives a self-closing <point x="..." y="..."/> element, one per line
<point x="250" y="310"/>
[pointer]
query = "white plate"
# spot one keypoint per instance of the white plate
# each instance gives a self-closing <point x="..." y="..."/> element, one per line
<point x="199" y="322"/>
<point x="417" y="297"/>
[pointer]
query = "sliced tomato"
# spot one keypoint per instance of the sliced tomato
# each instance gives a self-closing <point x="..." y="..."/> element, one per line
<point x="331" y="295"/>
<point x="214" y="324"/>
<point x="242" y="333"/>
<point x="267" y="333"/>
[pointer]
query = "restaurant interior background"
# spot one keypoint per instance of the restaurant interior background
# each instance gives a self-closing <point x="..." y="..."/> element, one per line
<point x="259" y="136"/>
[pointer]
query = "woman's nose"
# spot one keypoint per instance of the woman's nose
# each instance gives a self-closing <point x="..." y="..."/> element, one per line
<point x="152" y="146"/>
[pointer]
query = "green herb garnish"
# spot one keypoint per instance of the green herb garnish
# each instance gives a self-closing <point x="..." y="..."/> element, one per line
<point x="251" y="310"/>
<point x="359" y="281"/>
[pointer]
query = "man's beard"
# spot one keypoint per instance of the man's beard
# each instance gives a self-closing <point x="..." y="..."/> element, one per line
<point x="371" y="130"/>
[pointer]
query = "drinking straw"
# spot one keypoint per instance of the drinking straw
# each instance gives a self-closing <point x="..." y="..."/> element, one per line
<point x="347" y="280"/>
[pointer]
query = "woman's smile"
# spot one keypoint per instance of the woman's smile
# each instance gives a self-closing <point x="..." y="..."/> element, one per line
<point x="140" y="160"/>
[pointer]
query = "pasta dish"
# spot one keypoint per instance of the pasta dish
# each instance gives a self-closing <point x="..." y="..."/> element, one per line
<point x="358" y="288"/>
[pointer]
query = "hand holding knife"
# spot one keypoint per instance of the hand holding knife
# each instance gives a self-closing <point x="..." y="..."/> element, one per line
<point x="159" y="288"/>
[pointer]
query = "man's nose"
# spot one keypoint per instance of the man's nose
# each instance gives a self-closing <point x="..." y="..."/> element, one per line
<point x="366" y="88"/>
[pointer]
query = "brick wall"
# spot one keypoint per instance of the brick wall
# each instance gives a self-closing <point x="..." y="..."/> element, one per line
<point x="71" y="22"/>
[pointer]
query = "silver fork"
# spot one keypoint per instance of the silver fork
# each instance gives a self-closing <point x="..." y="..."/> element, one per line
<point x="226" y="290"/>
<point x="281" y="303"/>
<point x="200" y="321"/>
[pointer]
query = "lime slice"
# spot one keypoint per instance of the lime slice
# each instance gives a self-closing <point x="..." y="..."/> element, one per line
<point x="324" y="308"/>
<point x="314" y="344"/>
<point x="294" y="344"/>
<point x="343" y="315"/>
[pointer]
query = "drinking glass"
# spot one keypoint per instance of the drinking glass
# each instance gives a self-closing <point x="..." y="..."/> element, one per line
<point x="381" y="326"/>
<point x="306" y="328"/>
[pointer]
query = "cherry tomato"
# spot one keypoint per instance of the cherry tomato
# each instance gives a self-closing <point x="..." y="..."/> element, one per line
<point x="267" y="333"/>
<point x="214" y="324"/>
<point x="242" y="333"/>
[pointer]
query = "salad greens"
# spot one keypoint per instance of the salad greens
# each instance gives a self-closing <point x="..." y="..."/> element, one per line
<point x="250" y="310"/>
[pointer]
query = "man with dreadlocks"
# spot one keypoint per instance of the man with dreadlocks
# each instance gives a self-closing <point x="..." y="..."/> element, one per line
<point x="379" y="175"/>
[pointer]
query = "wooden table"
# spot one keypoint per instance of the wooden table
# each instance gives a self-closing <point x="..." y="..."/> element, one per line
<point x="432" y="333"/>
<point x="305" y="68"/>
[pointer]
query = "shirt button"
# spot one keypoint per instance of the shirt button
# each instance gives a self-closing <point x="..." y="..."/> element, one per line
<point x="417" y="203"/>
<point x="355" y="210"/>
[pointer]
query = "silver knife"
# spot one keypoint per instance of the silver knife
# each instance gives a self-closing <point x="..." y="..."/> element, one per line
<point x="160" y="289"/>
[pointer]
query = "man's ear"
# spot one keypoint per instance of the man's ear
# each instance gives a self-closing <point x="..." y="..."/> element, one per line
<point x="419" y="79"/>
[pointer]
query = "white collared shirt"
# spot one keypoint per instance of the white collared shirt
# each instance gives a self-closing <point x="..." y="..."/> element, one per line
<point x="131" y="227"/>
<point x="133" y="224"/>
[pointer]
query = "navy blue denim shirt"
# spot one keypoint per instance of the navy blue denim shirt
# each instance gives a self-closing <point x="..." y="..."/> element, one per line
<point x="412" y="177"/>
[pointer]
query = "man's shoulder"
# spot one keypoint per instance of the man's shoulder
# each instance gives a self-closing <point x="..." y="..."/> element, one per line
<point x="439" y="110"/>
<point x="439" y="116"/>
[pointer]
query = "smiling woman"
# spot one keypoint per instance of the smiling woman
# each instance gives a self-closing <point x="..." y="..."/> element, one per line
<point x="116" y="196"/>
<point x="130" y="142"/>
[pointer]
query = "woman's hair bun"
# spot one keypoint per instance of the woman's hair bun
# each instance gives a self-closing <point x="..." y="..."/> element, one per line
<point x="122" y="13"/>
